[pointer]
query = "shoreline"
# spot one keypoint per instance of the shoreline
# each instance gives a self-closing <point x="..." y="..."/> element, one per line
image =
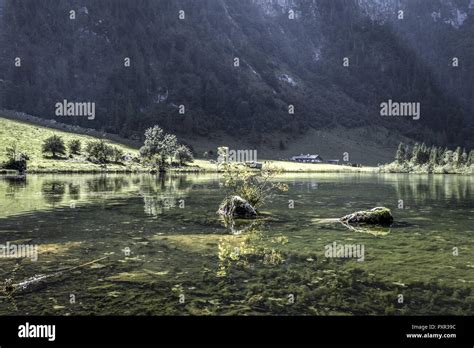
<point x="172" y="171"/>
<point x="200" y="166"/>
<point x="13" y="173"/>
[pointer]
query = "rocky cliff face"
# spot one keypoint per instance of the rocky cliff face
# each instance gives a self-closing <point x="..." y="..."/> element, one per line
<point x="450" y="12"/>
<point x="274" y="8"/>
<point x="290" y="52"/>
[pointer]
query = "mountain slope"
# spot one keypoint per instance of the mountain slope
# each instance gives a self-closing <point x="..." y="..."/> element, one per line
<point x="190" y="62"/>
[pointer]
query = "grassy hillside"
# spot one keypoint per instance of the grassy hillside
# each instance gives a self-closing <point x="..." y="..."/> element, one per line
<point x="29" y="139"/>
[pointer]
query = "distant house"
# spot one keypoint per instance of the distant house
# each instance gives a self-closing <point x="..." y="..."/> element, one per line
<point x="127" y="157"/>
<point x="253" y="164"/>
<point x="333" y="161"/>
<point x="307" y="158"/>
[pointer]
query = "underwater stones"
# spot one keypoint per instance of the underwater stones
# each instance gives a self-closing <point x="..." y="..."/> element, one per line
<point x="256" y="300"/>
<point x="375" y="216"/>
<point x="239" y="226"/>
<point x="236" y="207"/>
<point x="138" y="277"/>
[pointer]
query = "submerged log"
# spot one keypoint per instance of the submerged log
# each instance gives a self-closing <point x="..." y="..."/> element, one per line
<point x="375" y="216"/>
<point x="236" y="207"/>
<point x="38" y="280"/>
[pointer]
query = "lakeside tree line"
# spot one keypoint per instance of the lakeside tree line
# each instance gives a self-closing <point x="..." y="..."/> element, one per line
<point x="432" y="157"/>
<point x="96" y="151"/>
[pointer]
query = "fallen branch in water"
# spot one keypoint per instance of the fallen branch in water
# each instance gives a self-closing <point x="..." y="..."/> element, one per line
<point x="372" y="230"/>
<point x="11" y="288"/>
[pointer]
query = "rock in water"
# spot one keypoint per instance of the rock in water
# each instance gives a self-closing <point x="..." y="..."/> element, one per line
<point x="375" y="216"/>
<point x="236" y="207"/>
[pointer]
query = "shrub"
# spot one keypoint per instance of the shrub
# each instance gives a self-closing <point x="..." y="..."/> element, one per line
<point x="116" y="154"/>
<point x="75" y="146"/>
<point x="99" y="151"/>
<point x="54" y="145"/>
<point x="253" y="186"/>
<point x="16" y="160"/>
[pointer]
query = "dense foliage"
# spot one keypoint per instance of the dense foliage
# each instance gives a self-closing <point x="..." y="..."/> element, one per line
<point x="159" y="148"/>
<point x="431" y="159"/>
<point x="16" y="160"/>
<point x="184" y="154"/>
<point x="256" y="187"/>
<point x="100" y="152"/>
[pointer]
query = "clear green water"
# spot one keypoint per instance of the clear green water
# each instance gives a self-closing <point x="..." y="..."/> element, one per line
<point x="184" y="261"/>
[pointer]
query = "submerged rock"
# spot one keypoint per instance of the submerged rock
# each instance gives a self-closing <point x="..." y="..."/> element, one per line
<point x="375" y="216"/>
<point x="236" y="207"/>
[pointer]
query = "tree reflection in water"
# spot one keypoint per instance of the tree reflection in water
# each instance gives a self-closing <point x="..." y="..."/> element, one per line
<point x="250" y="247"/>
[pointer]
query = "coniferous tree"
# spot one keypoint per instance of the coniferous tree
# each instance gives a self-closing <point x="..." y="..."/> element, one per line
<point x="407" y="154"/>
<point x="457" y="156"/>
<point x="415" y="153"/>
<point x="470" y="158"/>
<point x="448" y="157"/>
<point x="464" y="157"/>
<point x="423" y="154"/>
<point x="400" y="155"/>
<point x="440" y="155"/>
<point x="434" y="156"/>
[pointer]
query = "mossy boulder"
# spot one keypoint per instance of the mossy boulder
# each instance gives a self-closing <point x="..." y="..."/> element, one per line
<point x="236" y="207"/>
<point x="375" y="216"/>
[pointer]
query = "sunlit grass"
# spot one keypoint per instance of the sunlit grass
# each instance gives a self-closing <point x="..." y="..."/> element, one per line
<point x="29" y="139"/>
<point x="295" y="167"/>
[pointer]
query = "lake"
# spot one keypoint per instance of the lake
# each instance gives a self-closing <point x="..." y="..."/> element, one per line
<point x="147" y="245"/>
